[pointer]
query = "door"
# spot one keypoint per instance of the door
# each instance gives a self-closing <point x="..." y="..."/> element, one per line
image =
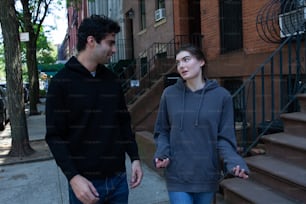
<point x="195" y="22"/>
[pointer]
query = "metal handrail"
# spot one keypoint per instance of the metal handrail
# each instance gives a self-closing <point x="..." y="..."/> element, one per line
<point x="145" y="72"/>
<point x="277" y="75"/>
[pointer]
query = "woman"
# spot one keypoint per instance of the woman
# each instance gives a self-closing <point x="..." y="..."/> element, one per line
<point x="194" y="131"/>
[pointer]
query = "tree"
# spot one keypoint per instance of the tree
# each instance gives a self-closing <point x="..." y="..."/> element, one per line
<point x="31" y="19"/>
<point x="2" y="66"/>
<point x="9" y="24"/>
<point x="45" y="51"/>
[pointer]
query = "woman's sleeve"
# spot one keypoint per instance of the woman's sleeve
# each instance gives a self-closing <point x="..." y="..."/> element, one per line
<point x="227" y="145"/>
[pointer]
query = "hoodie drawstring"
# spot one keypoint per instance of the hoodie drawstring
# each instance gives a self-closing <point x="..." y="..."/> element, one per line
<point x="196" y="123"/>
<point x="182" y="114"/>
<point x="199" y="108"/>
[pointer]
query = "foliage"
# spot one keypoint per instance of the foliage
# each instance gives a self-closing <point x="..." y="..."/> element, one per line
<point x="32" y="14"/>
<point x="46" y="52"/>
<point x="46" y="56"/>
<point x="2" y="62"/>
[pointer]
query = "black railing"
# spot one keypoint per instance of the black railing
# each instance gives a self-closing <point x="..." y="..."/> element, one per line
<point x="152" y="64"/>
<point x="147" y="70"/>
<point x="282" y="75"/>
<point x="271" y="91"/>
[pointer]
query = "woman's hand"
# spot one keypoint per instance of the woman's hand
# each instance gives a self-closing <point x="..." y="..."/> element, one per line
<point x="240" y="172"/>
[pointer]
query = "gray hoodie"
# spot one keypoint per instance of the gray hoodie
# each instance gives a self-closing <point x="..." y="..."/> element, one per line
<point x="195" y="130"/>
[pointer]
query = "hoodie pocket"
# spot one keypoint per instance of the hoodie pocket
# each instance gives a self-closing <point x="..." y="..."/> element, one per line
<point x="196" y="169"/>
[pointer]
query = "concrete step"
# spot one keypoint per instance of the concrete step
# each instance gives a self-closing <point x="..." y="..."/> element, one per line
<point x="279" y="175"/>
<point x="294" y="147"/>
<point x="294" y="123"/>
<point x="242" y="191"/>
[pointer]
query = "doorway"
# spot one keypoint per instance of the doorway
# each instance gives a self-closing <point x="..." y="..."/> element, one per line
<point x="129" y="34"/>
<point x="194" y="22"/>
<point x="230" y="25"/>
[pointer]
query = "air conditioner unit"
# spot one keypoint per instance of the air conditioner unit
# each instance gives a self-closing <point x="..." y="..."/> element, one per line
<point x="160" y="14"/>
<point x="292" y="23"/>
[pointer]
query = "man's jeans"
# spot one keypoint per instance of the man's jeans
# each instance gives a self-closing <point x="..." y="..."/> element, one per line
<point x="191" y="198"/>
<point x="112" y="190"/>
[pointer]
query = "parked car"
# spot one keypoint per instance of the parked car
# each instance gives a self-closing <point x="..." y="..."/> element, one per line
<point x="26" y="88"/>
<point x="4" y="113"/>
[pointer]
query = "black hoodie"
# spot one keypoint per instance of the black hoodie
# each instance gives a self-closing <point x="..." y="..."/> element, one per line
<point x="88" y="125"/>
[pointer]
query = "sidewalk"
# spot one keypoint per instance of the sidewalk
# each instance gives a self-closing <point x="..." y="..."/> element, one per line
<point x="37" y="180"/>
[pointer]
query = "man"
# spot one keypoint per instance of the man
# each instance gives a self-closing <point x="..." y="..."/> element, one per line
<point x="88" y="125"/>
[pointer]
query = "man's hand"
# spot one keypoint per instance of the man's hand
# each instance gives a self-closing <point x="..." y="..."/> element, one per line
<point x="137" y="174"/>
<point x="161" y="163"/>
<point x="240" y="172"/>
<point x="84" y="190"/>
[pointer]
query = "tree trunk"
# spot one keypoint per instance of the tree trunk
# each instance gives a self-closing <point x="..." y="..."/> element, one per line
<point x="31" y="58"/>
<point x="32" y="24"/>
<point x="19" y="132"/>
<point x="33" y="75"/>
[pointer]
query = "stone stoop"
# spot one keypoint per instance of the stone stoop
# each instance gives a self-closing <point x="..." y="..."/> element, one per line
<point x="278" y="176"/>
<point x="246" y="192"/>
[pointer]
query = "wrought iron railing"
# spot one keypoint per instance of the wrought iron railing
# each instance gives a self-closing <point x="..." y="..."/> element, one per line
<point x="271" y="91"/>
<point x="145" y="69"/>
<point x="282" y="75"/>
<point x="152" y="64"/>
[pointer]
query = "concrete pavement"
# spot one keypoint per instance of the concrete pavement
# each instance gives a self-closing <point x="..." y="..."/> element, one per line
<point x="40" y="181"/>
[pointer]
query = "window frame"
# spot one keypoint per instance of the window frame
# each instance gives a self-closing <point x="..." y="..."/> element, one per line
<point x="159" y="4"/>
<point x="142" y="18"/>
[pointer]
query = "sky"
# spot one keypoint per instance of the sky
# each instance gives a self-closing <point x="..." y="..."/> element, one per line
<point x="59" y="21"/>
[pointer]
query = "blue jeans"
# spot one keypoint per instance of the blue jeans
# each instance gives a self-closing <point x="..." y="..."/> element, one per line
<point x="112" y="190"/>
<point x="191" y="198"/>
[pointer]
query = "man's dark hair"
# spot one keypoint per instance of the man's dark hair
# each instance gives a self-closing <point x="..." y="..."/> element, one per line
<point x="97" y="26"/>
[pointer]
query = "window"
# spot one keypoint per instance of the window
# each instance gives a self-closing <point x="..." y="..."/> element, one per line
<point x="292" y="18"/>
<point x="142" y="8"/>
<point x="160" y="11"/>
<point x="144" y="65"/>
<point x="160" y="4"/>
<point x="290" y="5"/>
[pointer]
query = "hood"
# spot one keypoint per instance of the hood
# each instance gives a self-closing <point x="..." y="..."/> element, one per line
<point x="74" y="65"/>
<point x="209" y="85"/>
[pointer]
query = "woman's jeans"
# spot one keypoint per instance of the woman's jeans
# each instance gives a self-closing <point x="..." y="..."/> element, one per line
<point x="191" y="198"/>
<point x="112" y="190"/>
